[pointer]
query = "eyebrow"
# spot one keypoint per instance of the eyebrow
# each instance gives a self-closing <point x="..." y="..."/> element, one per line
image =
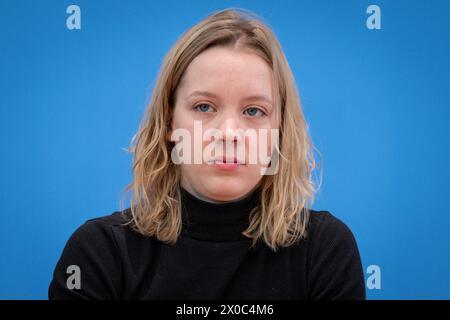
<point x="215" y="96"/>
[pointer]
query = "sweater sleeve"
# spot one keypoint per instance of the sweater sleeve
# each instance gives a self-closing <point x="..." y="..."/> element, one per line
<point x="335" y="270"/>
<point x="91" y="255"/>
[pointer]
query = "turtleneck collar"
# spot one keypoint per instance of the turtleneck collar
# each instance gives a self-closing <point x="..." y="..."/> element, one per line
<point x="217" y="222"/>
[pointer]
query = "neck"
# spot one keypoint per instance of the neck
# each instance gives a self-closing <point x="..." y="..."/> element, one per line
<point x="217" y="221"/>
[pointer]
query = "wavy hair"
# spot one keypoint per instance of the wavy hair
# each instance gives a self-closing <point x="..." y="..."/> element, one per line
<point x="282" y="215"/>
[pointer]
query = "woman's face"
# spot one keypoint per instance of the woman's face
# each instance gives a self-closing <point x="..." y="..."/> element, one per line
<point x="227" y="90"/>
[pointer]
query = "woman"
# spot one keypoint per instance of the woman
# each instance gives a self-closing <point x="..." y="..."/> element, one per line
<point x="225" y="227"/>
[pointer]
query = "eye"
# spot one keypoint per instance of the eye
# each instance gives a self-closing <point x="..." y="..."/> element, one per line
<point x="203" y="107"/>
<point x="254" y="112"/>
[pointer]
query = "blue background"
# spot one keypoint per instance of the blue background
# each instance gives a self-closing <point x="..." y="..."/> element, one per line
<point x="377" y="102"/>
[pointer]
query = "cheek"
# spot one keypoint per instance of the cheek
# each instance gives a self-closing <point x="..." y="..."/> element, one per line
<point x="251" y="174"/>
<point x="183" y="123"/>
<point x="181" y="119"/>
<point x="188" y="169"/>
<point x="262" y="147"/>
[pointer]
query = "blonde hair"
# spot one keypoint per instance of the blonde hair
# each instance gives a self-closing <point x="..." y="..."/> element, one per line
<point x="282" y="215"/>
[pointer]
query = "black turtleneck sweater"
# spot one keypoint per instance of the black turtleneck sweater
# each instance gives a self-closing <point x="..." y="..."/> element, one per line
<point x="210" y="260"/>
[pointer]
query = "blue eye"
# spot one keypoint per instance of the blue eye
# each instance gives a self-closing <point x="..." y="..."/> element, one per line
<point x="254" y="111"/>
<point x="202" y="107"/>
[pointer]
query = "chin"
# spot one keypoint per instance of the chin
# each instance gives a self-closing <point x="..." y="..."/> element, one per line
<point x="226" y="197"/>
<point x="227" y="189"/>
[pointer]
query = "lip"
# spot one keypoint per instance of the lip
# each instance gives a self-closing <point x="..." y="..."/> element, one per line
<point x="224" y="165"/>
<point x="225" y="160"/>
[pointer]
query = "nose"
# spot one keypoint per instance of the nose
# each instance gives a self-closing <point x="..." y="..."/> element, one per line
<point x="230" y="127"/>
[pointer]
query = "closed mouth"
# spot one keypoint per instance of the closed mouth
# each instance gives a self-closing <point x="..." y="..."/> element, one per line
<point x="225" y="161"/>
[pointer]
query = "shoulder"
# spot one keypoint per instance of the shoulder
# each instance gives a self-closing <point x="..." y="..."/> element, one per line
<point x="104" y="227"/>
<point x="96" y="232"/>
<point x="109" y="237"/>
<point x="329" y="235"/>
<point x="323" y="224"/>
<point x="95" y="249"/>
<point x="117" y="218"/>
<point x="333" y="259"/>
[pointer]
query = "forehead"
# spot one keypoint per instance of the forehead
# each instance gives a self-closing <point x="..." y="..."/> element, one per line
<point x="228" y="70"/>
